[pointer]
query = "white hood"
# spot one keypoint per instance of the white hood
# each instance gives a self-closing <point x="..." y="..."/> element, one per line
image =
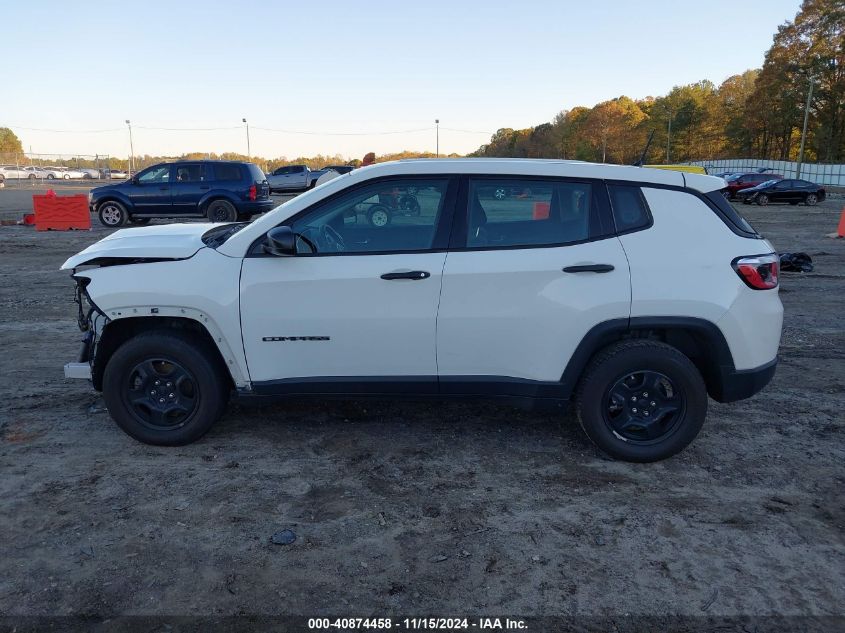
<point x="170" y="241"/>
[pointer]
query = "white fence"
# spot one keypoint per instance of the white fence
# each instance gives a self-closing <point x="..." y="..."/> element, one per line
<point x="833" y="175"/>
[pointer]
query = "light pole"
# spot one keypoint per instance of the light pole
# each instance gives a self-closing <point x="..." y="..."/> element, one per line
<point x="131" y="149"/>
<point x="248" y="153"/>
<point x="437" y="127"/>
<point x="804" y="130"/>
<point x="668" y="135"/>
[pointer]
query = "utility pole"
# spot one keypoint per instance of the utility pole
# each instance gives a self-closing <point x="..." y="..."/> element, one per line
<point x="437" y="125"/>
<point x="669" y="136"/>
<point x="804" y="130"/>
<point x="131" y="150"/>
<point x="248" y="153"/>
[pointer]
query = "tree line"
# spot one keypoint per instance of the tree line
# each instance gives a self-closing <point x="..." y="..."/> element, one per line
<point x="756" y="114"/>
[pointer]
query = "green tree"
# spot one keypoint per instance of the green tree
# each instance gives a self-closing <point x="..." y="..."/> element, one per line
<point x="9" y="142"/>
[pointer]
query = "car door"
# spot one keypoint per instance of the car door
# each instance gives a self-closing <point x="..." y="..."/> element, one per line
<point x="780" y="191"/>
<point x="356" y="308"/>
<point x="298" y="177"/>
<point x="150" y="191"/>
<point x="526" y="277"/>
<point x="189" y="186"/>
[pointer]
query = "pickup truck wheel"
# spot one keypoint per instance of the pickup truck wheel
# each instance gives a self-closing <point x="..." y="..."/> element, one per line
<point x="112" y="214"/>
<point x="164" y="388"/>
<point x="641" y="401"/>
<point x="221" y="211"/>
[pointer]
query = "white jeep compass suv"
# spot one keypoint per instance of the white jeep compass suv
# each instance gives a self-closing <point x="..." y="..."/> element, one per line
<point x="634" y="292"/>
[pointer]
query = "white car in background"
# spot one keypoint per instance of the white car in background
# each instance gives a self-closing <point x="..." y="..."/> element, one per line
<point x="53" y="172"/>
<point x="13" y="172"/>
<point x="34" y="172"/>
<point x="89" y="173"/>
<point x="72" y="174"/>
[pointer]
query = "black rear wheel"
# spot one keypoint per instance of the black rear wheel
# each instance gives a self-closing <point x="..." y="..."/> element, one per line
<point x="165" y="388"/>
<point x="641" y="401"/>
<point x="811" y="200"/>
<point x="221" y="211"/>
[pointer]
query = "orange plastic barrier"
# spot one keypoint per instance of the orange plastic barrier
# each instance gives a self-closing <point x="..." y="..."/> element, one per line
<point x="841" y="230"/>
<point x="61" y="213"/>
<point x="541" y="211"/>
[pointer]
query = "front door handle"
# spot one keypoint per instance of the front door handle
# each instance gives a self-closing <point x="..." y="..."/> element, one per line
<point x="589" y="268"/>
<point x="414" y="274"/>
<point x="163" y="188"/>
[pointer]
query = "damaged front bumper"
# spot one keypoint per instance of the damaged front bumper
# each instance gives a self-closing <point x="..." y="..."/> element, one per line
<point x="91" y="322"/>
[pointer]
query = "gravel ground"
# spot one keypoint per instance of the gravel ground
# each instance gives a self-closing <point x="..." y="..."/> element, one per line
<point x="426" y="509"/>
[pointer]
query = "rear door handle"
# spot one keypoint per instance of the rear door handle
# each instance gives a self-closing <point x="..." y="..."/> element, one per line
<point x="589" y="268"/>
<point x="414" y="274"/>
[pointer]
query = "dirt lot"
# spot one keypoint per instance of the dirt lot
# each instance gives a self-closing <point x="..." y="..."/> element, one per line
<point x="426" y="509"/>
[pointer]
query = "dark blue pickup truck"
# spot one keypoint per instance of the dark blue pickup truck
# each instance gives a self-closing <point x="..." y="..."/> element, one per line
<point x="222" y="191"/>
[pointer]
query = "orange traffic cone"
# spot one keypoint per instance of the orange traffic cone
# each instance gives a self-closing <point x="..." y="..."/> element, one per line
<point x="840" y="232"/>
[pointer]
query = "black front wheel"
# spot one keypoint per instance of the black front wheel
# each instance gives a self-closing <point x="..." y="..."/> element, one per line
<point x="165" y="388"/>
<point x="811" y="200"/>
<point x="641" y="401"/>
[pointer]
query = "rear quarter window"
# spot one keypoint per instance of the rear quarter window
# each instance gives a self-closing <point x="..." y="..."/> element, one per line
<point x="730" y="215"/>
<point x="255" y="173"/>
<point x="630" y="211"/>
<point x="228" y="172"/>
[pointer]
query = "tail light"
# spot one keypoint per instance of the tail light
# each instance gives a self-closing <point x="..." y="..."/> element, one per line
<point x="253" y="192"/>
<point x="759" y="272"/>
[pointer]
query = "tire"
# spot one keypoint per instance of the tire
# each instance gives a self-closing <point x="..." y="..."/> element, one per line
<point x="66" y="176"/>
<point x="379" y="216"/>
<point x="139" y="221"/>
<point x="762" y="199"/>
<point x="112" y="214"/>
<point x="32" y="176"/>
<point x="196" y="390"/>
<point x="811" y="200"/>
<point x="50" y="177"/>
<point x="631" y="369"/>
<point x="87" y="176"/>
<point x="221" y="211"/>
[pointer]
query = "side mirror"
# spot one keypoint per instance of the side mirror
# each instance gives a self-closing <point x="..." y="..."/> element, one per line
<point x="281" y="242"/>
<point x="134" y="180"/>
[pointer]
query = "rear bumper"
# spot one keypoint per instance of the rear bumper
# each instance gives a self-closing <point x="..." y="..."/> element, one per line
<point x="259" y="206"/>
<point x="738" y="384"/>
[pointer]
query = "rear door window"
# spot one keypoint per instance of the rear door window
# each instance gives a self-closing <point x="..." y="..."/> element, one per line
<point x="189" y="173"/>
<point x="514" y="213"/>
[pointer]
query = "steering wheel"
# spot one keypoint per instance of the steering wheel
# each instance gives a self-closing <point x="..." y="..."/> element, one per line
<point x="332" y="239"/>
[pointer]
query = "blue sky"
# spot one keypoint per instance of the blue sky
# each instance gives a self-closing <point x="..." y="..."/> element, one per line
<point x="358" y="68"/>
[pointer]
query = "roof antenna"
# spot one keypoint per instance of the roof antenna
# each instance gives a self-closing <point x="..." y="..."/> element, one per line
<point x="640" y="162"/>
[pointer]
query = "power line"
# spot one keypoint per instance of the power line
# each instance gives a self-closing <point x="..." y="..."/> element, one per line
<point x="38" y="129"/>
<point x="313" y="133"/>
